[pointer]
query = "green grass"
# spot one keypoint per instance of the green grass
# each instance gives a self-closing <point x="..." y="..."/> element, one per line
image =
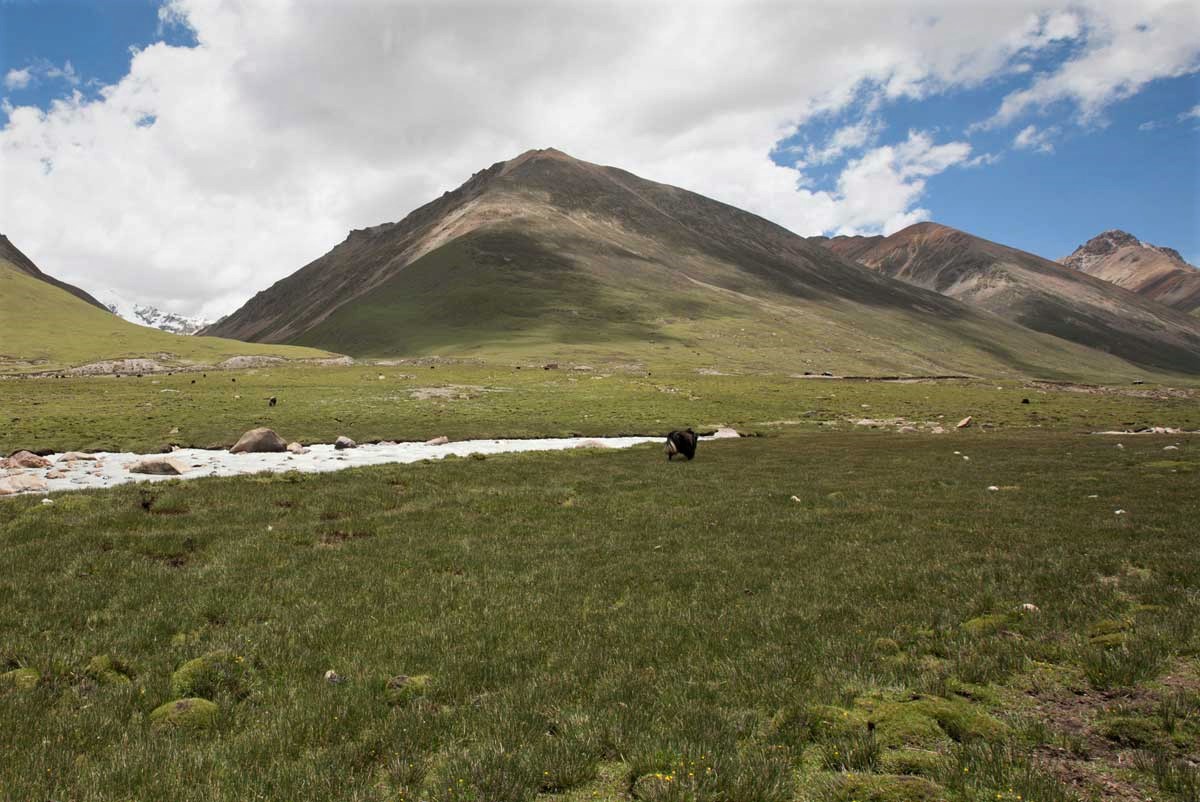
<point x="48" y="329"/>
<point x="592" y="624"/>
<point x="498" y="400"/>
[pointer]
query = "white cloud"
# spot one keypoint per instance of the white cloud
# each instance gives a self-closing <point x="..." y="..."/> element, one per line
<point x="1191" y="114"/>
<point x="846" y="138"/>
<point x="1128" y="46"/>
<point x="17" y="79"/>
<point x="296" y="120"/>
<point x="877" y="193"/>
<point x="1149" y="125"/>
<point x="1032" y="138"/>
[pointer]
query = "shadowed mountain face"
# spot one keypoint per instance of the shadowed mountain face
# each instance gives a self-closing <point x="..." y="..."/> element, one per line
<point x="1039" y="294"/>
<point x="1156" y="272"/>
<point x="547" y="255"/>
<point x="20" y="261"/>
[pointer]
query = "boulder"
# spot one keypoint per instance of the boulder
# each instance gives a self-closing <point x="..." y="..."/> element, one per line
<point x="160" y="467"/>
<point x="725" y="433"/>
<point x="438" y="441"/>
<point x="964" y="423"/>
<point x="25" y="459"/>
<point x="22" y="483"/>
<point x="185" y="714"/>
<point x="259" y="441"/>
<point x="296" y="448"/>
<point x="77" y="456"/>
<point x="344" y="442"/>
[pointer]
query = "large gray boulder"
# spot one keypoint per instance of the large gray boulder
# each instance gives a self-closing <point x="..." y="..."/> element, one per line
<point x="261" y="440"/>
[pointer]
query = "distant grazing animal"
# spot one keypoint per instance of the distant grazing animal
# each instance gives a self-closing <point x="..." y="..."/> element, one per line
<point x="271" y="401"/>
<point x="681" y="443"/>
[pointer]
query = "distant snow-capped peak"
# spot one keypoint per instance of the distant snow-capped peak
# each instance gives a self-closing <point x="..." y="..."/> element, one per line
<point x="151" y="316"/>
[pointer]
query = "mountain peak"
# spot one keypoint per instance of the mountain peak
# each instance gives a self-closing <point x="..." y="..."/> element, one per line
<point x="1108" y="243"/>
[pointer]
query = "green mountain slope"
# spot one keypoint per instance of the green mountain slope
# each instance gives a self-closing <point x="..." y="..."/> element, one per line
<point x="19" y="261"/>
<point x="44" y="327"/>
<point x="548" y="256"/>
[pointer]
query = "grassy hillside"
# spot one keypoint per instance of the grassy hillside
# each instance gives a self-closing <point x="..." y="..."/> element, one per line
<point x="46" y="328"/>
<point x="532" y="292"/>
<point x="817" y="618"/>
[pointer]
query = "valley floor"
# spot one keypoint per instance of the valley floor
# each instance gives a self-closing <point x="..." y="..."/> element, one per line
<point x="830" y="612"/>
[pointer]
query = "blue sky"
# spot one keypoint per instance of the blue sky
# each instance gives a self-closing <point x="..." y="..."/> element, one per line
<point x="202" y="154"/>
<point x="1136" y="168"/>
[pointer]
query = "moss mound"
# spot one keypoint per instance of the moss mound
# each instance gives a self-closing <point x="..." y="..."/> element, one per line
<point x="885" y="788"/>
<point x="922" y="722"/>
<point x="212" y="674"/>
<point x="20" y="679"/>
<point x="185" y="714"/>
<point x="403" y="688"/>
<point x="104" y="670"/>
<point x="910" y="761"/>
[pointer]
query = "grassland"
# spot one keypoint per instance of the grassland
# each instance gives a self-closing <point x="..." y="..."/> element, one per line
<point x="805" y="616"/>
<point x="48" y="329"/>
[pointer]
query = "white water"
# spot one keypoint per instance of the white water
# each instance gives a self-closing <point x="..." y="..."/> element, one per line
<point x="111" y="468"/>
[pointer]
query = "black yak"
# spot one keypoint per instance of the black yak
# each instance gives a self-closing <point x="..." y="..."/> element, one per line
<point x="681" y="443"/>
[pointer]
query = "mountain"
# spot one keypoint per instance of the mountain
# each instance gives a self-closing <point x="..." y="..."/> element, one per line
<point x="46" y="325"/>
<point x="547" y="256"/>
<point x="152" y="316"/>
<point x="19" y="261"/>
<point x="1039" y="294"/>
<point x="1151" y="270"/>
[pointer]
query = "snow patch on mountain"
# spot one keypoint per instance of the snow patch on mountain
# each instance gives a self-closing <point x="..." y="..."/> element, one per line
<point x="151" y="316"/>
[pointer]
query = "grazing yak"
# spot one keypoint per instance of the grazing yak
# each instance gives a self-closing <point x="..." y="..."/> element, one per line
<point x="681" y="443"/>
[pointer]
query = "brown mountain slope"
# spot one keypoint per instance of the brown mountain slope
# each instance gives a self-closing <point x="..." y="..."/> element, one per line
<point x="1040" y="294"/>
<point x="548" y="255"/>
<point x="1150" y="270"/>
<point x="20" y="261"/>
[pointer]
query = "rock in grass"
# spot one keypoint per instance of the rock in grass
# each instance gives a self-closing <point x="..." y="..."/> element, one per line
<point x="160" y="467"/>
<point x="260" y="440"/>
<point x="725" y="433"/>
<point x="104" y="670"/>
<point x="22" y="679"/>
<point x="22" y="483"/>
<point x="216" y="672"/>
<point x="334" y="678"/>
<point x="25" y="459"/>
<point x="403" y="688"/>
<point x="185" y="714"/>
<point x="964" y="423"/>
<point x="344" y="442"/>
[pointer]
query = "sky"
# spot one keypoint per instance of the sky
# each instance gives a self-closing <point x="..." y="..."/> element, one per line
<point x="189" y="153"/>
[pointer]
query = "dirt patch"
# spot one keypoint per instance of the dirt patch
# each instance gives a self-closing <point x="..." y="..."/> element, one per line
<point x="450" y="392"/>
